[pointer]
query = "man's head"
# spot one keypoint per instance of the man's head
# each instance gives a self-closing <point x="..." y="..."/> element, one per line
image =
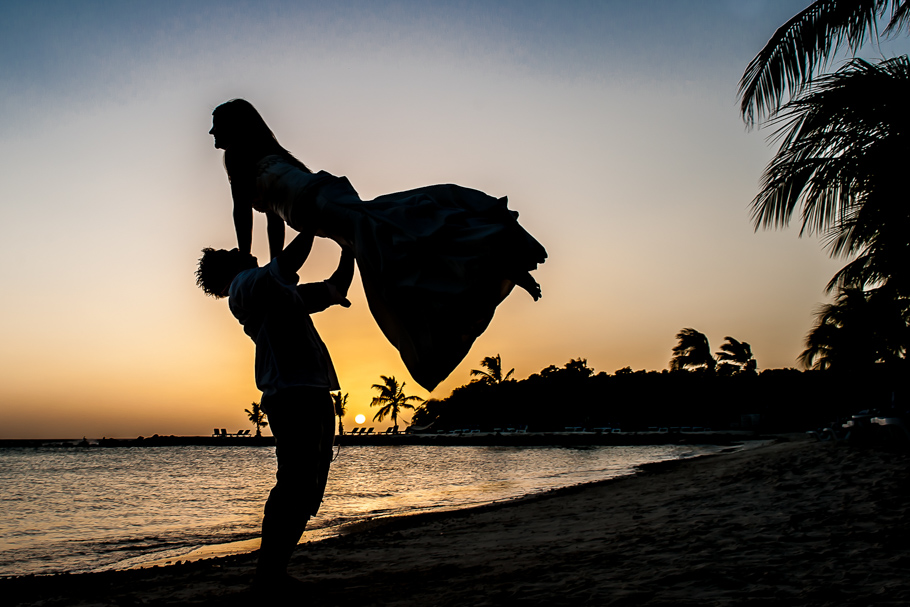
<point x="217" y="269"/>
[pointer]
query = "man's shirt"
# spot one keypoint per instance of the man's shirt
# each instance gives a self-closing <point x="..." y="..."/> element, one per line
<point x="274" y="312"/>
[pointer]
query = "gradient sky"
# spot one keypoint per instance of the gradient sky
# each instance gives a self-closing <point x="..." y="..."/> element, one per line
<point x="612" y="127"/>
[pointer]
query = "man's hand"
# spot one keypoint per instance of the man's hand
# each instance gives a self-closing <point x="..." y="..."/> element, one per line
<point x="341" y="279"/>
<point x="336" y="297"/>
<point x="293" y="256"/>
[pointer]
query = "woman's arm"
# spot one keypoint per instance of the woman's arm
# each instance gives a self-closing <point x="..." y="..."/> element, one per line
<point x="275" y="231"/>
<point x="243" y="220"/>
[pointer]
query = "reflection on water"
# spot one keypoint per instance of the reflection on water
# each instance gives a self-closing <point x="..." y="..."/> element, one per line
<point x="85" y="509"/>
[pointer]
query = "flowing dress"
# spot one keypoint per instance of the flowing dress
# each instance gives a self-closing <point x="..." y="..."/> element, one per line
<point x="434" y="261"/>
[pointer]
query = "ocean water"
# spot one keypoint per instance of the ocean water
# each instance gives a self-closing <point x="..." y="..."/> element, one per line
<point x="90" y="509"/>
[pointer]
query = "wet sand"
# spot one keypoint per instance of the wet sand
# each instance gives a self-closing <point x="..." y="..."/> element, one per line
<point x="795" y="523"/>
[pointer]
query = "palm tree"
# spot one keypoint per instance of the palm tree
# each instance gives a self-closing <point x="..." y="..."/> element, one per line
<point x="736" y="357"/>
<point x="257" y="417"/>
<point x="493" y="374"/>
<point x="693" y="351"/>
<point x="340" y="403"/>
<point x="844" y="146"/>
<point x="806" y="43"/>
<point x="391" y="399"/>
<point x="860" y="329"/>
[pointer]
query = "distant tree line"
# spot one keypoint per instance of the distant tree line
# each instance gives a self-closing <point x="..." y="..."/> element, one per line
<point x="846" y="373"/>
<point x="727" y="395"/>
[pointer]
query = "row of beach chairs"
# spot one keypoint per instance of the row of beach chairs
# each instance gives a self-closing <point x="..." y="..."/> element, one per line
<point x="867" y="426"/>
<point x="224" y="432"/>
<point x="363" y="431"/>
<point x="518" y="430"/>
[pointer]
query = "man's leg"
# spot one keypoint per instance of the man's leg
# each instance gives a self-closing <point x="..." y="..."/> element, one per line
<point x="302" y="421"/>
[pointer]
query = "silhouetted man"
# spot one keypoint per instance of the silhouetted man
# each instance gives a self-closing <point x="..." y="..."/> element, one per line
<point x="294" y="373"/>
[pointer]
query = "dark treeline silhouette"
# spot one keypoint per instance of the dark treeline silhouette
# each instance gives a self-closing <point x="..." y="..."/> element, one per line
<point x="775" y="400"/>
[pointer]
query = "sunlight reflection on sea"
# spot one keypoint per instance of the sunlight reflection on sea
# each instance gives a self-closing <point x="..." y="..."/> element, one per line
<point x="88" y="509"/>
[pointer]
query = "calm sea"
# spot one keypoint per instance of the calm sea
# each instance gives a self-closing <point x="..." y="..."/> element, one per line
<point x="74" y="510"/>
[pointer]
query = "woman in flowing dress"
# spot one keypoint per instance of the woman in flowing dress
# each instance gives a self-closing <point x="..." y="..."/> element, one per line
<point x="434" y="261"/>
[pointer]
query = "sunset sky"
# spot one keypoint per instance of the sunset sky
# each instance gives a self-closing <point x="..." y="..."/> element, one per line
<point x="613" y="128"/>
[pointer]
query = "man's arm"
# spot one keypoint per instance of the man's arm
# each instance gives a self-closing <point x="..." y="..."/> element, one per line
<point x="320" y="295"/>
<point x="344" y="273"/>
<point x="292" y="257"/>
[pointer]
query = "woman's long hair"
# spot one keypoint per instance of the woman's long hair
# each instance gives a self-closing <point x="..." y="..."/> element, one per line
<point x="252" y="141"/>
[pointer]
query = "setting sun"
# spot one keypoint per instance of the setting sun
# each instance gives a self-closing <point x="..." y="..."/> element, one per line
<point x="360" y="419"/>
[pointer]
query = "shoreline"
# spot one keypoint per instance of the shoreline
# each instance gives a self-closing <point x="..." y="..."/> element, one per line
<point x="794" y="522"/>
<point x="478" y="439"/>
<point x="504" y="473"/>
<point x="240" y="547"/>
<point x="245" y="548"/>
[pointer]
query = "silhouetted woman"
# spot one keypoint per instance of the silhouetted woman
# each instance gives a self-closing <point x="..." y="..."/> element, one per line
<point x="434" y="262"/>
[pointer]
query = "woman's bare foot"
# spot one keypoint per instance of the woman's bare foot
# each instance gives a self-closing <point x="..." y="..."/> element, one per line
<point x="526" y="282"/>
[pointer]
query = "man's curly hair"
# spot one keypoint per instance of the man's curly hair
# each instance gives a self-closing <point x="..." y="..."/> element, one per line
<point x="218" y="267"/>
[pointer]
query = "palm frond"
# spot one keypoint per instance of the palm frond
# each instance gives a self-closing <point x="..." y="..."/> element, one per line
<point x="391" y="399"/>
<point x="493" y="374"/>
<point x="340" y="403"/>
<point x="692" y="350"/>
<point x="860" y="328"/>
<point x="900" y="17"/>
<point x="842" y="159"/>
<point x="806" y="42"/>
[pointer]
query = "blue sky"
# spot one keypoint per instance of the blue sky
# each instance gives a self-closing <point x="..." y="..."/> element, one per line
<point x="612" y="126"/>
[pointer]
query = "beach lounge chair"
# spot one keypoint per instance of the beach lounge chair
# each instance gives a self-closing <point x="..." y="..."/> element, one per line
<point x="369" y="431"/>
<point x="895" y="427"/>
<point x="215" y="432"/>
<point x="224" y="432"/>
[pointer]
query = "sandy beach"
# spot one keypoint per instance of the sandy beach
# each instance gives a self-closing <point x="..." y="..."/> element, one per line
<point x="794" y="522"/>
